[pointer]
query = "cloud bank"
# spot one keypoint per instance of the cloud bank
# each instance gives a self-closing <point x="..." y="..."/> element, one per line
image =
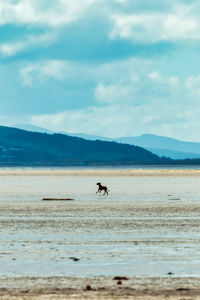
<point x="114" y="68"/>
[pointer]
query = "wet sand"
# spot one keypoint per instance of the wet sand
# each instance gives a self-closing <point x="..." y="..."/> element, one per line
<point x="145" y="229"/>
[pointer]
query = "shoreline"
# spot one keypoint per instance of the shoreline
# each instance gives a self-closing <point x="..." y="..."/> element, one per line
<point x="99" y="172"/>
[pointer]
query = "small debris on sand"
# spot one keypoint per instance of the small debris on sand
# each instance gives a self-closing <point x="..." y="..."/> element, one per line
<point x="57" y="199"/>
<point x="74" y="258"/>
<point x="119" y="282"/>
<point x="120" y="278"/>
<point x="88" y="288"/>
<point x="24" y="291"/>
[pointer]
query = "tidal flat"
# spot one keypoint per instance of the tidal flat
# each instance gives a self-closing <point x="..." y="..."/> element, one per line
<point x="147" y="229"/>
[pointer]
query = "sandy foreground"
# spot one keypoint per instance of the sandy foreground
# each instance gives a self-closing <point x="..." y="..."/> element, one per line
<point x="101" y="288"/>
<point x="147" y="230"/>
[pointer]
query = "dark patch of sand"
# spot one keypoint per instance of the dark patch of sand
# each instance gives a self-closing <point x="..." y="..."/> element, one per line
<point x="57" y="199"/>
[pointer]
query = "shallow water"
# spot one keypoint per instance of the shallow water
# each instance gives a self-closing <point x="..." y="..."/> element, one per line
<point x="146" y="226"/>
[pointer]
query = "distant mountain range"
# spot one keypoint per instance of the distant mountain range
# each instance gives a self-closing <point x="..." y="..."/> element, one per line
<point x="33" y="128"/>
<point x="159" y="145"/>
<point x="164" y="146"/>
<point x="27" y="148"/>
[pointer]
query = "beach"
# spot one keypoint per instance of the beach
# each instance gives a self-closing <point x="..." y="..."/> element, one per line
<point x="147" y="230"/>
<point x="101" y="288"/>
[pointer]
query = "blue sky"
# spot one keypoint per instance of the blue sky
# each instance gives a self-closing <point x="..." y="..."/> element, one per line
<point x="112" y="68"/>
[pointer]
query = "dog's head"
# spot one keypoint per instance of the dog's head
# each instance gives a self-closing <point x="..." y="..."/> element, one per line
<point x="98" y="183"/>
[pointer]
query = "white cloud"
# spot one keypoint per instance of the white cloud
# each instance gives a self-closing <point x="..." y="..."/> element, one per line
<point x="41" y="71"/>
<point x="135" y="78"/>
<point x="115" y="120"/>
<point x="193" y="81"/>
<point x="131" y="97"/>
<point x="106" y="120"/>
<point x="113" y="93"/>
<point x="155" y="76"/>
<point x="123" y="106"/>
<point x="137" y="88"/>
<point x="121" y="1"/>
<point x="50" y="15"/>
<point x="150" y="102"/>
<point x="118" y="71"/>
<point x="53" y="121"/>
<point x="174" y="81"/>
<point x="36" y="12"/>
<point x="193" y="84"/>
<point x="11" y="48"/>
<point x="181" y="23"/>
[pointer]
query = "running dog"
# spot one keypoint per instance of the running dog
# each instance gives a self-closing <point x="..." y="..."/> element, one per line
<point x="102" y="188"/>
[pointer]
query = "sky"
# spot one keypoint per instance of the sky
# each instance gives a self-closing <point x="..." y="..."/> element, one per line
<point x="104" y="67"/>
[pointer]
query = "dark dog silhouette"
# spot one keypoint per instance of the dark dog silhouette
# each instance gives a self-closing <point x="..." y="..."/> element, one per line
<point x="102" y="188"/>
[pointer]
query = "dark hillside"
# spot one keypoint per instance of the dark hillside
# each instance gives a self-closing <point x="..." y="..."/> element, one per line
<point x="22" y="147"/>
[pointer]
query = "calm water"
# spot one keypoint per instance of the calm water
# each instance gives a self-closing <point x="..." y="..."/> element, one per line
<point x="146" y="226"/>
